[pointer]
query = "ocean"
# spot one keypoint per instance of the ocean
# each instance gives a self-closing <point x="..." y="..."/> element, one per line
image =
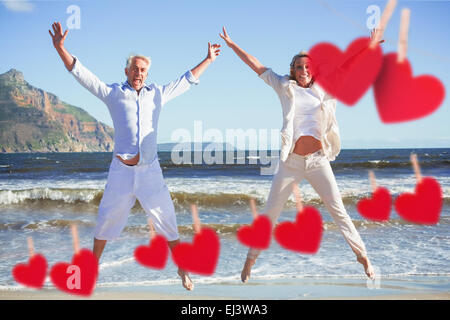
<point x="42" y="194"/>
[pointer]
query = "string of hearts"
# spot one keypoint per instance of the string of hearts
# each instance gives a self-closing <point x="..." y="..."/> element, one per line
<point x="65" y="276"/>
<point x="200" y="257"/>
<point x="348" y="75"/>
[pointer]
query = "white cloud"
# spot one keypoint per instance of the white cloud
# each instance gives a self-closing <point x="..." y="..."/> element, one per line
<point x="18" y="5"/>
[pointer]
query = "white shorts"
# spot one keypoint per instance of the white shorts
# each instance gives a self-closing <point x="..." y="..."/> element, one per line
<point x="125" y="184"/>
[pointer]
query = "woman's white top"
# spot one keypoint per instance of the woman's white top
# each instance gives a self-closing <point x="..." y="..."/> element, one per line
<point x="285" y="89"/>
<point x="307" y="114"/>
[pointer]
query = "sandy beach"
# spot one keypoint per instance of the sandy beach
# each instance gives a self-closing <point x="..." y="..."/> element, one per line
<point x="53" y="294"/>
<point x="298" y="289"/>
<point x="56" y="295"/>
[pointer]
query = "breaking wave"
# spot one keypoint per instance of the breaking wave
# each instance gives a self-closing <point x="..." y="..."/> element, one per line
<point x="89" y="199"/>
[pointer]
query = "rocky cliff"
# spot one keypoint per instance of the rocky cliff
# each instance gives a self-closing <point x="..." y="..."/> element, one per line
<point x="32" y="120"/>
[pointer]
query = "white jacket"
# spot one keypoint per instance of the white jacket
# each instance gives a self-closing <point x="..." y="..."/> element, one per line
<point x="284" y="87"/>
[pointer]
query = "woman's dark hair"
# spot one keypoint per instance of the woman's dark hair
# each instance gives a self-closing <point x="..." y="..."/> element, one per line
<point x="302" y="54"/>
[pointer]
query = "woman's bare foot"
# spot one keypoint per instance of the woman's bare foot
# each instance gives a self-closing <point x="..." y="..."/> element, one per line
<point x="245" y="274"/>
<point x="186" y="280"/>
<point x="364" y="260"/>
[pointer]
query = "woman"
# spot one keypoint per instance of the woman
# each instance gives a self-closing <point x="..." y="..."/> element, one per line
<point x="309" y="140"/>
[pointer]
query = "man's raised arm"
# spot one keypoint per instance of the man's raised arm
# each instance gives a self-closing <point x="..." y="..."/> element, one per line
<point x="177" y="87"/>
<point x="58" y="42"/>
<point x="213" y="52"/>
<point x="86" y="78"/>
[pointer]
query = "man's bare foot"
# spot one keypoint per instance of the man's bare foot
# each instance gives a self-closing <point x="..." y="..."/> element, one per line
<point x="186" y="280"/>
<point x="245" y="274"/>
<point x="364" y="260"/>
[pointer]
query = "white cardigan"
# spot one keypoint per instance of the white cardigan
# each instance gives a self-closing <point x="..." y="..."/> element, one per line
<point x="331" y="141"/>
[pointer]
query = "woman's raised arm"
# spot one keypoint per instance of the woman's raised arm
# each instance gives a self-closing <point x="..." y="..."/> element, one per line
<point x="250" y="60"/>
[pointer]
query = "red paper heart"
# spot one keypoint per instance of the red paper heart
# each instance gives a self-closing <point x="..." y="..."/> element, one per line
<point x="31" y="274"/>
<point x="346" y="75"/>
<point x="424" y="205"/>
<point x="154" y="255"/>
<point x="303" y="235"/>
<point x="400" y="97"/>
<point x="201" y="256"/>
<point x="78" y="277"/>
<point x="378" y="207"/>
<point x="257" y="235"/>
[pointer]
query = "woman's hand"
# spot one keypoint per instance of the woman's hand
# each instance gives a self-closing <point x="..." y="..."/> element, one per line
<point x="58" y="38"/>
<point x="226" y="37"/>
<point x="250" y="60"/>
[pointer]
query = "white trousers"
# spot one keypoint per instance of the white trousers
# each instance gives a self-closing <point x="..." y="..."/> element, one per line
<point x="125" y="184"/>
<point x="317" y="170"/>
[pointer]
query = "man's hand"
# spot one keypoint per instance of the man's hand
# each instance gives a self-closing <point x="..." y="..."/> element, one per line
<point x="58" y="42"/>
<point x="58" y="38"/>
<point x="213" y="51"/>
<point x="226" y="37"/>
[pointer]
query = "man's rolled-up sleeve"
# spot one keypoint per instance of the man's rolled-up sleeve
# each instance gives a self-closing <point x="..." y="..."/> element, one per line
<point x="177" y="87"/>
<point x="90" y="81"/>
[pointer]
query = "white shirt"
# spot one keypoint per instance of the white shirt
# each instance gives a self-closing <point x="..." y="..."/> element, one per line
<point x="284" y="88"/>
<point x="308" y="114"/>
<point x="135" y="117"/>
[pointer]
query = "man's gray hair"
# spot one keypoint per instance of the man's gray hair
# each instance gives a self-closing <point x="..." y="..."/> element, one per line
<point x="133" y="56"/>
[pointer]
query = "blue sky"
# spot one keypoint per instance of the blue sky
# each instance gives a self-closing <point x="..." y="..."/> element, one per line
<point x="175" y="34"/>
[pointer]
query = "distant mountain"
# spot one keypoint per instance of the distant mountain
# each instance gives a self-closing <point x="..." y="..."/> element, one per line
<point x="33" y="120"/>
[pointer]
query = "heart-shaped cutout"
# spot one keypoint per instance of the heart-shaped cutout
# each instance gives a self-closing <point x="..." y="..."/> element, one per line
<point x="304" y="235"/>
<point x="346" y="75"/>
<point x="377" y="207"/>
<point x="424" y="205"/>
<point x="33" y="273"/>
<point x="257" y="235"/>
<point x="400" y="97"/>
<point x="201" y="256"/>
<point x="78" y="277"/>
<point x="154" y="255"/>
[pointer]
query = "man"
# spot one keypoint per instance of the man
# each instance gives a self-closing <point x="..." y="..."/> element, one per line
<point x="134" y="172"/>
